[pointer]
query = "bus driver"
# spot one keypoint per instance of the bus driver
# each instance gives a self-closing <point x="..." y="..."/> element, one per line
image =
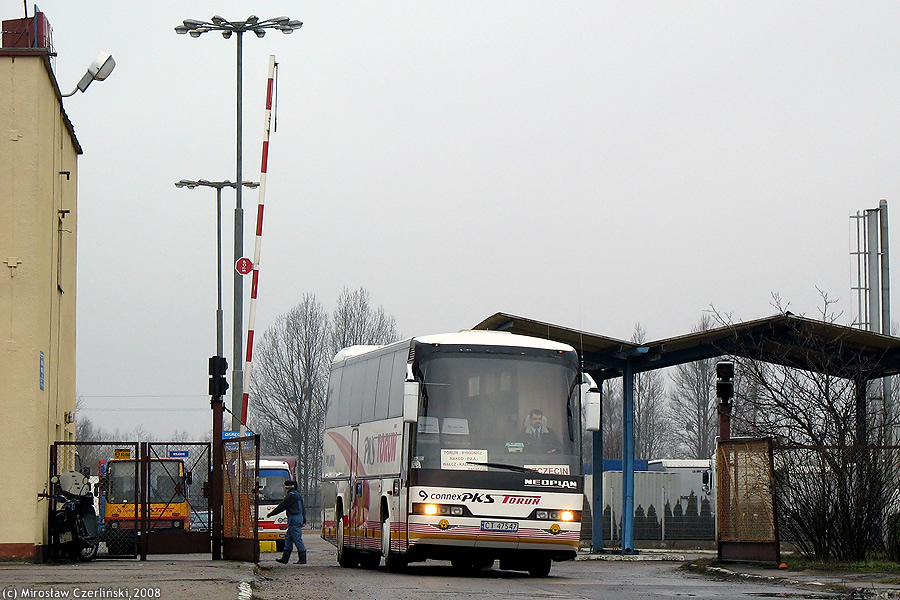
<point x="537" y="436"/>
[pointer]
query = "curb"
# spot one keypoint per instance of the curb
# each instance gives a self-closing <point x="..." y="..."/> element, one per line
<point x="647" y="555"/>
<point x="854" y="592"/>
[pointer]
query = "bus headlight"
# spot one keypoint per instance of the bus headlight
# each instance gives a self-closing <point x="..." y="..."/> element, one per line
<point x="556" y="515"/>
<point x="433" y="510"/>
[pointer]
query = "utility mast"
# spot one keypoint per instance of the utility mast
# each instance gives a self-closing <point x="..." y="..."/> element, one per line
<point x="872" y="287"/>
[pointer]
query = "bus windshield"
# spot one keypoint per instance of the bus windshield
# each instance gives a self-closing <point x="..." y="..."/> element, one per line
<point x="484" y="411"/>
<point x="166" y="482"/>
<point x="271" y="485"/>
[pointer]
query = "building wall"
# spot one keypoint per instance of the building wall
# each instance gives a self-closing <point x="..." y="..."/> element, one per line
<point x="38" y="180"/>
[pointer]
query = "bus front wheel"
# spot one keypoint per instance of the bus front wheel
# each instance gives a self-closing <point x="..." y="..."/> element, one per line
<point x="393" y="562"/>
<point x="539" y="567"/>
<point x="347" y="557"/>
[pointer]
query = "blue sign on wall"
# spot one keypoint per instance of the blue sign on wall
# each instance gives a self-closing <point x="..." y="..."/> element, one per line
<point x="178" y="453"/>
<point x="227" y="435"/>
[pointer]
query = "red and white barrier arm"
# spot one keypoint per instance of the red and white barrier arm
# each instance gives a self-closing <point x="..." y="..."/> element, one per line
<point x="251" y="323"/>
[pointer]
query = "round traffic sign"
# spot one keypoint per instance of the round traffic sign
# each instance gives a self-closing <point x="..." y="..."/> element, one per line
<point x="243" y="265"/>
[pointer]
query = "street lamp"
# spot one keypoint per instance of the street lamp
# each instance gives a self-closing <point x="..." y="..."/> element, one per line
<point x="100" y="69"/>
<point x="227" y="28"/>
<point x="218" y="185"/>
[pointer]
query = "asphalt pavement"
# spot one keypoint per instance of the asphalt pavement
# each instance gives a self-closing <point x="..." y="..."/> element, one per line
<point x="189" y="576"/>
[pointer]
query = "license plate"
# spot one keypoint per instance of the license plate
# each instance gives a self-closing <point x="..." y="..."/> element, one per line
<point x="65" y="536"/>
<point x="499" y="526"/>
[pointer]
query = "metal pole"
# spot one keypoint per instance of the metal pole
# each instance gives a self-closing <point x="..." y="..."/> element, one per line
<point x="889" y="408"/>
<point x="873" y="269"/>
<point x="220" y="341"/>
<point x="237" y="380"/>
<point x="885" y="271"/>
<point x="217" y="494"/>
<point x="597" y="492"/>
<point x="628" y="459"/>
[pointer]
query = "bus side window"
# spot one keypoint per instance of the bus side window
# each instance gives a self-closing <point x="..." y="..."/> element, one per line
<point x="398" y="377"/>
<point x="383" y="389"/>
<point x="334" y="390"/>
<point x="347" y="383"/>
<point x="357" y="373"/>
<point x="369" y="389"/>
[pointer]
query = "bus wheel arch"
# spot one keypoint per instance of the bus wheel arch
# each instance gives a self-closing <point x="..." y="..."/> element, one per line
<point x="347" y="557"/>
<point x="394" y="562"/>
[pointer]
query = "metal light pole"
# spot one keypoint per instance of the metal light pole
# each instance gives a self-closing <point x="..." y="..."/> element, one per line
<point x="227" y="28"/>
<point x="218" y="185"/>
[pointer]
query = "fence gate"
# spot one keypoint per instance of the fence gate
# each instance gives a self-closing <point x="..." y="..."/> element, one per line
<point x="81" y="468"/>
<point x="175" y="498"/>
<point x="748" y="525"/>
<point x="240" y="467"/>
<point x="150" y="498"/>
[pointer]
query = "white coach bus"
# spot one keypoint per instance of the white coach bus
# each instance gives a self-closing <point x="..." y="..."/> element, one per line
<point x="463" y="447"/>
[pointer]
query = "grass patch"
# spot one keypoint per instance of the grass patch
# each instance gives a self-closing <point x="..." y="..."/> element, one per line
<point x="871" y="566"/>
<point x="795" y="563"/>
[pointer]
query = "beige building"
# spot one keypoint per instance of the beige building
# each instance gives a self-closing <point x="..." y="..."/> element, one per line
<point x="38" y="232"/>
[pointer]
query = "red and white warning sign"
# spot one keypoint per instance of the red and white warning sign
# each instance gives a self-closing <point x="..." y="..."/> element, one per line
<point x="243" y="265"/>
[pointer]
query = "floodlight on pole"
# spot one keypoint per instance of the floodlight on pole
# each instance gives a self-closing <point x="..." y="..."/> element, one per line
<point x="99" y="69"/>
<point x="218" y="185"/>
<point x="227" y="28"/>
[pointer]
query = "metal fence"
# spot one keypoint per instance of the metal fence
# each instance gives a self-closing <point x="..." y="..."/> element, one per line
<point x="747" y="522"/>
<point x="149" y="497"/>
<point x="240" y="484"/>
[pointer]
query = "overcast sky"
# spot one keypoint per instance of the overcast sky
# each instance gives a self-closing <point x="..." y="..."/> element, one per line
<point x="590" y="164"/>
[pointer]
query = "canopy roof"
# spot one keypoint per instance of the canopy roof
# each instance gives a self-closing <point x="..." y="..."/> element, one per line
<point x="783" y="339"/>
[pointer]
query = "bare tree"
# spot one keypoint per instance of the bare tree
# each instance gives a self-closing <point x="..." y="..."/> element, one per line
<point x="289" y="388"/>
<point x="692" y="403"/>
<point x="612" y="418"/>
<point x="832" y="486"/>
<point x="652" y="430"/>
<point x="355" y="321"/>
<point x="289" y="391"/>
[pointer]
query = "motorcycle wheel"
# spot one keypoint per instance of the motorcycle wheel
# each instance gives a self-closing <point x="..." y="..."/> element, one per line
<point x="88" y="553"/>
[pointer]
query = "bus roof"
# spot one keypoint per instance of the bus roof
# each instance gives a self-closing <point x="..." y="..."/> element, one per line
<point x="273" y="464"/>
<point x="494" y="338"/>
<point x="464" y="338"/>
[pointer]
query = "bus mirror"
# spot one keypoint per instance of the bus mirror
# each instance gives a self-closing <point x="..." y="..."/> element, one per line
<point x="592" y="409"/>
<point x="189" y="478"/>
<point x="410" y="401"/>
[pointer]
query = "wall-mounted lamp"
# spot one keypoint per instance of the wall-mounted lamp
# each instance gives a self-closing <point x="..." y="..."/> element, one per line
<point x="100" y="69"/>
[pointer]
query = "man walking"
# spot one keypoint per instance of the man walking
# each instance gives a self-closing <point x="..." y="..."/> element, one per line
<point x="296" y="514"/>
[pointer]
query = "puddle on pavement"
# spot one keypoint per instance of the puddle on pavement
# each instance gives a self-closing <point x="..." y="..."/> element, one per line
<point x="792" y="595"/>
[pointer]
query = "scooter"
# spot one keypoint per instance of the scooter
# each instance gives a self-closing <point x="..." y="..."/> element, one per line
<point x="73" y="525"/>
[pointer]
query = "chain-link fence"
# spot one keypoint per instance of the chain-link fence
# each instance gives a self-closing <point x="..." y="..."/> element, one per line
<point x="240" y="515"/>
<point x="748" y="527"/>
<point x="148" y="497"/>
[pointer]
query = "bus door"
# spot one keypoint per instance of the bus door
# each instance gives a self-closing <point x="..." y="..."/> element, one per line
<point x="356" y="507"/>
